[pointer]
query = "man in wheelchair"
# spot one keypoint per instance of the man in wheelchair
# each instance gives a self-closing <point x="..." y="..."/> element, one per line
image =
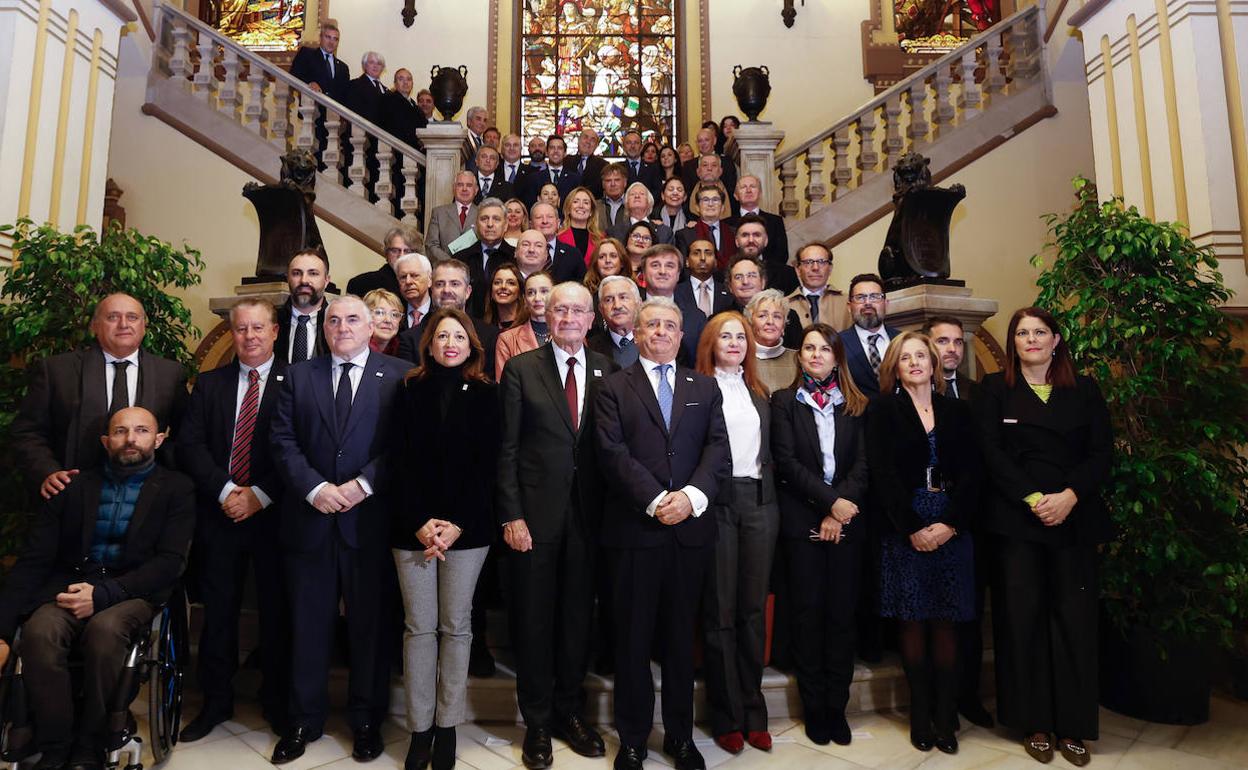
<point x="101" y="557"/>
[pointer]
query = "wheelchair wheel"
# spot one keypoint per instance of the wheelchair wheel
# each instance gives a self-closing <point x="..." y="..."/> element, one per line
<point x="164" y="685"/>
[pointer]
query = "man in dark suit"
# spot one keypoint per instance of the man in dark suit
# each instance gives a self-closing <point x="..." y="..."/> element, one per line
<point x="401" y="115"/>
<point x="307" y="276"/>
<point x="490" y="181"/>
<point x="746" y="278"/>
<point x="224" y="447"/>
<point x="567" y="263"/>
<point x="708" y="204"/>
<point x="660" y="267"/>
<point x="948" y="335"/>
<point x="415" y="276"/>
<point x="588" y="164"/>
<point x="475" y="121"/>
<point x="99" y="558"/>
<point x="700" y="290"/>
<point x="451" y="287"/>
<point x="563" y="175"/>
<point x="331" y="431"/>
<point x="867" y="340"/>
<point x="320" y="68"/>
<point x="717" y="168"/>
<point x="780" y="274"/>
<point x="511" y="169"/>
<point x="637" y="169"/>
<point x="70" y="396"/>
<point x="663" y="447"/>
<point x="398" y="241"/>
<point x="364" y="97"/>
<point x="550" y="499"/>
<point x="488" y="252"/>
<point x="618" y="300"/>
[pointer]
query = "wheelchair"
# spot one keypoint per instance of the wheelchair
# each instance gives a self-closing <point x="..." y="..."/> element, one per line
<point x="156" y="658"/>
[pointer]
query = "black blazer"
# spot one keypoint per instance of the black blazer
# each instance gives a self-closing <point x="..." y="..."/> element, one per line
<point x="281" y="348"/>
<point x="642" y="458"/>
<point x="767" y="465"/>
<point x="591" y="177"/>
<point x="402" y="117"/>
<point x="208" y="437"/>
<point x="897" y="455"/>
<point x="445" y="460"/>
<point x="859" y="368"/>
<point x="1030" y="446"/>
<point x="364" y="99"/>
<point x="967" y="388"/>
<point x="599" y="340"/>
<point x="568" y="264"/>
<point x="381" y="278"/>
<point x="692" y="324"/>
<point x="304" y="434"/>
<point x="57" y="549"/>
<point x="499" y="187"/>
<point x="60" y="420"/>
<point x="409" y="341"/>
<point x="649" y="174"/>
<point x="531" y="184"/>
<point x="310" y="67"/>
<point x="721" y="300"/>
<point x="479" y="272"/>
<point x="547" y="471"/>
<point x="804" y="499"/>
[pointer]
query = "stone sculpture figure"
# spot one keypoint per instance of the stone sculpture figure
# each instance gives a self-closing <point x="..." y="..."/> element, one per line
<point x="917" y="244"/>
<point x="285" y="210"/>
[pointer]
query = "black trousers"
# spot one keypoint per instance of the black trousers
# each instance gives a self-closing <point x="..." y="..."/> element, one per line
<point x="104" y="639"/>
<point x="656" y="593"/>
<point x="364" y="579"/>
<point x="552" y="604"/>
<point x="971" y="635"/>
<point x="824" y="579"/>
<point x="223" y="556"/>
<point x="1044" y="606"/>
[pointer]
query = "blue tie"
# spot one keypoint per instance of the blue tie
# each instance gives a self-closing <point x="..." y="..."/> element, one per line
<point x="665" y="395"/>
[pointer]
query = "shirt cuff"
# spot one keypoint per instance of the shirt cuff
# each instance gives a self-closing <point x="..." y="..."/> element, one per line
<point x="311" y="496"/>
<point x="1033" y="498"/>
<point x="364" y="485"/>
<point x="696" y="499"/>
<point x="229" y="487"/>
<point x="265" y="500"/>
<point x="654" y="504"/>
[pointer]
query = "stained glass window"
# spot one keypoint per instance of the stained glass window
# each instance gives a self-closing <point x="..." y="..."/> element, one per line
<point x="609" y="65"/>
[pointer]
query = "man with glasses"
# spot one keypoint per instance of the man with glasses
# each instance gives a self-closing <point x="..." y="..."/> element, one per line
<point x="746" y="277"/>
<point x="867" y="340"/>
<point x="398" y="241"/>
<point x="708" y="205"/>
<point x="813" y="301"/>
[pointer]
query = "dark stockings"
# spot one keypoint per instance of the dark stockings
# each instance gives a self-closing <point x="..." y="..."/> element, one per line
<point x="929" y="656"/>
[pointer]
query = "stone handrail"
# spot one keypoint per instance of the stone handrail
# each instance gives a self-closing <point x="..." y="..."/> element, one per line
<point x="283" y="110"/>
<point x="941" y="96"/>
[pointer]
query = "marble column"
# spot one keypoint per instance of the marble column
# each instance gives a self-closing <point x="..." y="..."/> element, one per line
<point x="445" y="147"/>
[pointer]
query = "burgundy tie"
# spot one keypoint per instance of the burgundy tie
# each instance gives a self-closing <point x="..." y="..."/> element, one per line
<point x="569" y="392"/>
<point x="244" y="428"/>
<point x="463" y="214"/>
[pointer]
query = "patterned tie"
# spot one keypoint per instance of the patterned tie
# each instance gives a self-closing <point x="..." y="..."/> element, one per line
<point x="704" y="299"/>
<point x="342" y="398"/>
<point x="300" y="353"/>
<point x="873" y="353"/>
<point x="244" y="429"/>
<point x="569" y="392"/>
<point x="665" y="395"/>
<point x="626" y="355"/>
<point x="121" y="388"/>
<point x="485" y="185"/>
<point x="813" y="299"/>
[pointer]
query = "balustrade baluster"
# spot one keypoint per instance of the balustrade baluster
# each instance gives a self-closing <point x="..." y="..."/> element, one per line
<point x="893" y="141"/>
<point x="358" y="173"/>
<point x="384" y="186"/>
<point x="816" y="189"/>
<point x="205" y="79"/>
<point x="842" y="172"/>
<point x="255" y="116"/>
<point x="943" y="115"/>
<point x="229" y="99"/>
<point x="180" y="59"/>
<point x="971" y="97"/>
<point x="788" y="188"/>
<point x="868" y="157"/>
<point x="332" y="157"/>
<point x="410" y="204"/>
<point x="279" y="120"/>
<point x="994" y="80"/>
<point x="916" y="98"/>
<point x="306" y="139"/>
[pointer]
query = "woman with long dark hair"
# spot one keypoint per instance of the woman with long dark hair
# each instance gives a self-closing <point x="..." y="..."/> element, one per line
<point x="503" y="303"/>
<point x="530" y="330"/>
<point x="1048" y="446"/>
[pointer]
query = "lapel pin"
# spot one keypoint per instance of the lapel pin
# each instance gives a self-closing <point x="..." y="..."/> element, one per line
<point x="377" y="373"/>
<point x="688" y="379"/>
<point x="281" y="378"/>
<point x="465" y="386"/>
<point x="597" y="372"/>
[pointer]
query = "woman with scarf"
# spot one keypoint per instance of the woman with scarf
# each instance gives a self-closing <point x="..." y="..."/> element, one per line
<point x="821" y="481"/>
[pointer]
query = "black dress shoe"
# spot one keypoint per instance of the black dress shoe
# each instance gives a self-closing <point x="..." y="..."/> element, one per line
<point x="83" y="757"/>
<point x="420" y="751"/>
<point x="293" y="744"/>
<point x="443" y="748"/>
<point x="976" y="714"/>
<point x="838" y="729"/>
<point x="537" y="752"/>
<point x="684" y="754"/>
<point x="630" y="757"/>
<point x="54" y="758"/>
<point x="922" y="741"/>
<point x="367" y="745"/>
<point x="200" y="726"/>
<point x="947" y="744"/>
<point x="582" y="738"/>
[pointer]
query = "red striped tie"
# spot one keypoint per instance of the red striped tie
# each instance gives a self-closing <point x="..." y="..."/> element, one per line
<point x="244" y="428"/>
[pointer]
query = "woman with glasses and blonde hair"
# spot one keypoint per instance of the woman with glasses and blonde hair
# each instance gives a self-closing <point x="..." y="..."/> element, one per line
<point x="387" y="310"/>
<point x="924" y="464"/>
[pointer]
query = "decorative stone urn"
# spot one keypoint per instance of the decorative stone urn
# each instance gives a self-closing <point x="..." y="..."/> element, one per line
<point x="751" y="86"/>
<point x="448" y="86"/>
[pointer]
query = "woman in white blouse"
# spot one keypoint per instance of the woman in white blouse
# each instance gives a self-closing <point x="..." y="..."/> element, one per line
<point x="749" y="521"/>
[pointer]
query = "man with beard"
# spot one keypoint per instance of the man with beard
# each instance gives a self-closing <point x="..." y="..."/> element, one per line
<point x="701" y="289"/>
<point x="451" y="288"/>
<point x="301" y="318"/>
<point x="866" y="341"/>
<point x="99" y="559"/>
<point x="537" y="153"/>
<point x="749" y="192"/>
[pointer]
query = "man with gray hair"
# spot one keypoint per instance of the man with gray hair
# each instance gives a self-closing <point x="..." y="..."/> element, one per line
<point x="415" y="275"/>
<point x="490" y="250"/>
<point x="618" y="300"/>
<point x="451" y="220"/>
<point x="398" y="241"/>
<point x="364" y="97"/>
<point x="549" y="503"/>
<point x="475" y="120"/>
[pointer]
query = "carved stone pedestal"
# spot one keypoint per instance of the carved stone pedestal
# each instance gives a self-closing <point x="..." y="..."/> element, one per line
<point x="909" y="308"/>
<point x="445" y="152"/>
<point x="754" y="144"/>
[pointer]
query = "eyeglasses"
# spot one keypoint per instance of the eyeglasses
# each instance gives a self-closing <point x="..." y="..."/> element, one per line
<point x="874" y="296"/>
<point x="639" y="237"/>
<point x="382" y="314"/>
<point x="818" y="263"/>
<point x="395" y="250"/>
<point x="709" y="199"/>
<point x="569" y="310"/>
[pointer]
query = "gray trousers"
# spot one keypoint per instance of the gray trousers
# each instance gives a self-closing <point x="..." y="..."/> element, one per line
<point x="437" y="633"/>
<point x="734" y="608"/>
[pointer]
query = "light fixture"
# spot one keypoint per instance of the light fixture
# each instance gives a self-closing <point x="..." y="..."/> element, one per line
<point x="789" y="13"/>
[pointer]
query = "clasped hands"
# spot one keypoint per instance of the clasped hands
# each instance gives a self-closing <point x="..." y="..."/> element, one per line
<point x="437" y="536"/>
<point x="674" y="508"/>
<point x="334" y="498"/>
<point x="832" y="527"/>
<point x="931" y="537"/>
<point x="1052" y="509"/>
<point x="241" y="504"/>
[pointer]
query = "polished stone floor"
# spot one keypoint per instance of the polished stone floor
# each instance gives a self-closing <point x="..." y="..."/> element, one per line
<point x="881" y="740"/>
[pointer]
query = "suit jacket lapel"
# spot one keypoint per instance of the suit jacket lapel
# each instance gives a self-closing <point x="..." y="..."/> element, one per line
<point x="94" y="400"/>
<point x="365" y="394"/>
<point x="840" y="423"/>
<point x="684" y="383"/>
<point x="639" y="378"/>
<point x="323" y="392"/>
<point x="810" y="431"/>
<point x="549" y="369"/>
<point x="229" y="401"/>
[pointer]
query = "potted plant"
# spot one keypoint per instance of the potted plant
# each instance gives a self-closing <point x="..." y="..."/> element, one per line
<point x="1142" y="304"/>
<point x="49" y="293"/>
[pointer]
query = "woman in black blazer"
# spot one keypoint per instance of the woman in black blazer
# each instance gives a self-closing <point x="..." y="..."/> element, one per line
<point x="921" y="448"/>
<point x="735" y="601"/>
<point x="1047" y="450"/>
<point x="443" y="525"/>
<point x="821" y="480"/>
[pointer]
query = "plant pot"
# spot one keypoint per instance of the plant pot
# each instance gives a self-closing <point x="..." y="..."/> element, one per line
<point x="1137" y="681"/>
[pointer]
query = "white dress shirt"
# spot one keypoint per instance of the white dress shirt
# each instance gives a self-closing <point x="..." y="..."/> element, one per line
<point x="511" y="171"/>
<point x="423" y="310"/>
<point x="355" y="375"/>
<point x="616" y="337"/>
<point x="696" y="497"/>
<point x="243" y="383"/>
<point x="132" y="377"/>
<point x="313" y="331"/>
<point x="825" y="426"/>
<point x="745" y="437"/>
<point x="881" y="344"/>
<point x="561" y="364"/>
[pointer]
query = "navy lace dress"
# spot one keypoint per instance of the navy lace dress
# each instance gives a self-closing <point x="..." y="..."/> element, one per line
<point x="939" y="585"/>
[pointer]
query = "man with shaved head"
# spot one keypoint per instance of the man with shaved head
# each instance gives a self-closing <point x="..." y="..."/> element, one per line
<point x="71" y="396"/>
<point x="99" y="559"/>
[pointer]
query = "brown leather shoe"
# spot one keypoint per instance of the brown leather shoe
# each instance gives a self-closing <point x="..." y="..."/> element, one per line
<point x="1074" y="751"/>
<point x="1039" y="747"/>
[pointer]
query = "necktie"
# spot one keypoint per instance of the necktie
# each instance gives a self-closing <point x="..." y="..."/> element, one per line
<point x="554" y="176"/>
<point x="300" y="353"/>
<point x="582" y="166"/>
<point x="511" y="172"/>
<point x="342" y="398"/>
<point x="569" y="392"/>
<point x="413" y="318"/>
<point x="380" y="87"/>
<point x="463" y="214"/>
<point x="329" y="62"/>
<point x="665" y="395"/>
<point x="244" y="428"/>
<point x="873" y="353"/>
<point x="714" y="235"/>
<point x="634" y="165"/>
<point x="550" y="247"/>
<point x="121" y="388"/>
<point x="952" y="382"/>
<point x="485" y="185"/>
<point x="813" y="299"/>
<point x="627" y="353"/>
<point x="704" y="299"/>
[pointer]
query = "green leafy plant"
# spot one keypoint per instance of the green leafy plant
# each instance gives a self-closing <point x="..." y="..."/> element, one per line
<point x="46" y="300"/>
<point x="1141" y="303"/>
